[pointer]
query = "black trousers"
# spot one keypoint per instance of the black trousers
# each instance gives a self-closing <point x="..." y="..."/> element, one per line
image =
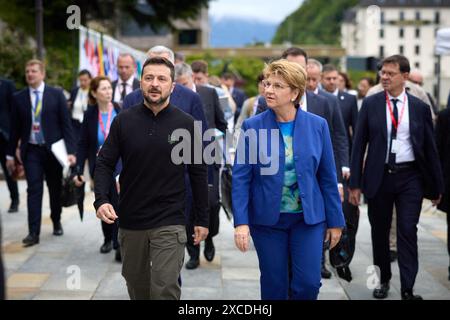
<point x="403" y="189"/>
<point x="40" y="163"/>
<point x="213" y="208"/>
<point x="12" y="185"/>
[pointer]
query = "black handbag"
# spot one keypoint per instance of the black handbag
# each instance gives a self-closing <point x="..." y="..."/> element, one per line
<point x="70" y="193"/>
<point x="225" y="188"/>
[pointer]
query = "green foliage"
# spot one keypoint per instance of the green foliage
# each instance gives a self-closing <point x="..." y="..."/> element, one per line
<point x="245" y="68"/>
<point x="314" y="22"/>
<point x="14" y="53"/>
<point x="356" y="76"/>
<point x="59" y="42"/>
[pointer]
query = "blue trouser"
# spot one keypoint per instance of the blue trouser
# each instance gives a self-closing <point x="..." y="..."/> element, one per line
<point x="40" y="163"/>
<point x="291" y="236"/>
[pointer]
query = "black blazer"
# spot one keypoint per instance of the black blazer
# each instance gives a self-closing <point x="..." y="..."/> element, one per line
<point x="136" y="85"/>
<point x="211" y="106"/>
<point x="339" y="134"/>
<point x="55" y="124"/>
<point x="372" y="129"/>
<point x="443" y="146"/>
<point x="88" y="142"/>
<point x="239" y="97"/>
<point x="7" y="90"/>
<point x="349" y="109"/>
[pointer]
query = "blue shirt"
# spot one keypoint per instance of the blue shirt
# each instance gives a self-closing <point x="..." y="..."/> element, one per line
<point x="290" y="199"/>
<point x="100" y="136"/>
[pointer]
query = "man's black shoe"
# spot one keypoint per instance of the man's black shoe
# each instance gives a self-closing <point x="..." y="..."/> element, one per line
<point x="382" y="292"/>
<point x="192" y="263"/>
<point x="14" y="207"/>
<point x="118" y="256"/>
<point x="409" y="295"/>
<point x="393" y="255"/>
<point x="210" y="250"/>
<point x="344" y="273"/>
<point x="106" y="247"/>
<point x="30" y="240"/>
<point x="57" y="229"/>
<point x="325" y="273"/>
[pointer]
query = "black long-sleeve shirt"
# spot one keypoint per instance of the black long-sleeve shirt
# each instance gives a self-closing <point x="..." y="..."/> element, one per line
<point x="152" y="186"/>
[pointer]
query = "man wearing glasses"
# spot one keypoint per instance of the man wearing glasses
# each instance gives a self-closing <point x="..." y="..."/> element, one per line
<point x="402" y="167"/>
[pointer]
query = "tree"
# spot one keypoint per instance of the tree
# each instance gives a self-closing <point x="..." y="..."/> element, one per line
<point x="314" y="22"/>
<point x="61" y="43"/>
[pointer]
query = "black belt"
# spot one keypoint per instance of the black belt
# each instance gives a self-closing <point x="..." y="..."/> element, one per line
<point x="399" y="167"/>
<point x="42" y="145"/>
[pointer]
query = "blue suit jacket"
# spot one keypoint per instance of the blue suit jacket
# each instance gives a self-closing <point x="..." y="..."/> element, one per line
<point x="181" y="97"/>
<point x="257" y="198"/>
<point x="55" y="124"/>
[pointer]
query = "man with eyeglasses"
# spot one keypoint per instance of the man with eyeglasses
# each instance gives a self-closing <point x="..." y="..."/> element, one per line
<point x="401" y="168"/>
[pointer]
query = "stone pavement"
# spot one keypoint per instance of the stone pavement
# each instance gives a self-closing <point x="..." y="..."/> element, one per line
<point x="49" y="270"/>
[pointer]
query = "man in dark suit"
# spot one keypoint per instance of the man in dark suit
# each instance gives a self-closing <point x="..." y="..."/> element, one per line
<point x="443" y="146"/>
<point x="39" y="119"/>
<point x="7" y="90"/>
<point x="348" y="107"/>
<point x="228" y="79"/>
<point x="402" y="168"/>
<point x="215" y="119"/>
<point x="127" y="83"/>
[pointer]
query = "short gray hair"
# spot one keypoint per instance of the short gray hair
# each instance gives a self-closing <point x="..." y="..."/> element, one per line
<point x="183" y="69"/>
<point x="157" y="50"/>
<point x="314" y="62"/>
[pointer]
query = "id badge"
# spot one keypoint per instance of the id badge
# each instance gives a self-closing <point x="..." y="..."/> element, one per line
<point x="395" y="146"/>
<point x="36" y="127"/>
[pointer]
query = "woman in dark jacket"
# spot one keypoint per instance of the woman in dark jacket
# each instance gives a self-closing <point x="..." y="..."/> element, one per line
<point x="94" y="131"/>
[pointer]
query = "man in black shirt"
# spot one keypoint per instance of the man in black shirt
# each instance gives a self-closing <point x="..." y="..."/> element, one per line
<point x="152" y="231"/>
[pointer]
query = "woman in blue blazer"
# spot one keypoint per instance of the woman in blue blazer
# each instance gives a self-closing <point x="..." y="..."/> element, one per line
<point x="94" y="130"/>
<point x="284" y="189"/>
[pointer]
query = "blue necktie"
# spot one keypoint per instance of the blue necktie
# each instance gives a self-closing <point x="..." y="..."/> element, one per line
<point x="39" y="138"/>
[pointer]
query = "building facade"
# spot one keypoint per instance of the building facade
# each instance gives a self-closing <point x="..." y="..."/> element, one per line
<point x="382" y="28"/>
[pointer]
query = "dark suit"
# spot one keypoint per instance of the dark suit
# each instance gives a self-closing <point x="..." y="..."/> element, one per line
<point x="239" y="97"/>
<point x="87" y="150"/>
<point x="7" y="90"/>
<point x="443" y="146"/>
<point x="39" y="161"/>
<point x="405" y="187"/>
<point x="215" y="119"/>
<point x="136" y="85"/>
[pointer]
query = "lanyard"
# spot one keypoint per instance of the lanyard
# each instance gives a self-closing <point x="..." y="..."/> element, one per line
<point x="38" y="109"/>
<point x="108" y="123"/>
<point x="394" y="122"/>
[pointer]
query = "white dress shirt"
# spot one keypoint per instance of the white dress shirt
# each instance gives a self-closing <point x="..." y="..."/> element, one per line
<point x="119" y="88"/>
<point x="405" y="151"/>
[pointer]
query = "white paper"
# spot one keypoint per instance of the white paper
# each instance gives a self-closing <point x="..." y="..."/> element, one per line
<point x="60" y="151"/>
<point x="395" y="146"/>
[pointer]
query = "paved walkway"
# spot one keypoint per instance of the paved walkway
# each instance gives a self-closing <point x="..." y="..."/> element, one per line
<point x="50" y="269"/>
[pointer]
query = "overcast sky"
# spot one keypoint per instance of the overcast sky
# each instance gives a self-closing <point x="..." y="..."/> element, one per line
<point x="268" y="10"/>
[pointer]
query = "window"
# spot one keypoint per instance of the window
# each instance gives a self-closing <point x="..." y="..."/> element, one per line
<point x="417" y="65"/>
<point x="401" y="49"/>
<point x="382" y="17"/>
<point x="417" y="15"/>
<point x="381" y="51"/>
<point x="437" y="17"/>
<point x="402" y="16"/>
<point x="381" y="33"/>
<point x="417" y="32"/>
<point x="188" y="37"/>
<point x="417" y="49"/>
<point x="401" y="32"/>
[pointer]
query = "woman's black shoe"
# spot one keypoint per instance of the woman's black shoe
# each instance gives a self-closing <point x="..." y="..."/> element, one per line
<point x="106" y="247"/>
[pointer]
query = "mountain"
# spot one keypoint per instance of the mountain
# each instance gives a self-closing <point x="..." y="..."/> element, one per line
<point x="315" y="22"/>
<point x="239" y="32"/>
